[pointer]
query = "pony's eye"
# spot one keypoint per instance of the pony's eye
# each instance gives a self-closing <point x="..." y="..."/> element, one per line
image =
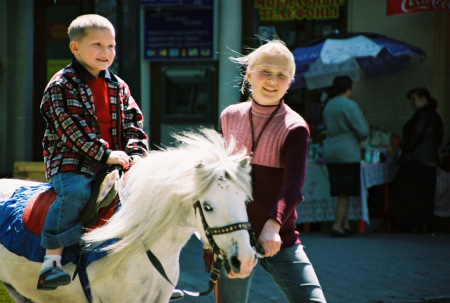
<point x="247" y="202"/>
<point x="207" y="207"/>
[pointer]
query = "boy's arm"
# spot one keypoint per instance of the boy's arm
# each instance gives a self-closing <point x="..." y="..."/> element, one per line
<point x="136" y="140"/>
<point x="63" y="112"/>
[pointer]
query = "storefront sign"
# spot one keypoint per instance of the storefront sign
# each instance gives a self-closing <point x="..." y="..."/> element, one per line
<point x="397" y="7"/>
<point x="172" y="33"/>
<point x="289" y="10"/>
<point x="160" y="2"/>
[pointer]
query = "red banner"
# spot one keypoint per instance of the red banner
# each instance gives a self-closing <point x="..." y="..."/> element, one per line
<point x="397" y="7"/>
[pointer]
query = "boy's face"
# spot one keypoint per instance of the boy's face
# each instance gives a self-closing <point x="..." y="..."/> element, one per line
<point x="96" y="50"/>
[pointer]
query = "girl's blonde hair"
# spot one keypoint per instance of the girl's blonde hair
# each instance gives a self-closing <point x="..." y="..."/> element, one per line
<point x="249" y="60"/>
<point x="79" y="26"/>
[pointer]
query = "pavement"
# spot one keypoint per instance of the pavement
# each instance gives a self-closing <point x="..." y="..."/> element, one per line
<point x="374" y="267"/>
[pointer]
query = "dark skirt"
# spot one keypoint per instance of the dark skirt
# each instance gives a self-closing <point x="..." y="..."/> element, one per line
<point x="412" y="199"/>
<point x="344" y="178"/>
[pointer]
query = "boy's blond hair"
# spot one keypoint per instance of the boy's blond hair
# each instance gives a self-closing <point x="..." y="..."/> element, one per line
<point x="79" y="26"/>
<point x="272" y="46"/>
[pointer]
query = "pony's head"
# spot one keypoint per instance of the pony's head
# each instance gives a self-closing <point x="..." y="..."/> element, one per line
<point x="223" y="181"/>
<point x="222" y="218"/>
<point x="162" y="188"/>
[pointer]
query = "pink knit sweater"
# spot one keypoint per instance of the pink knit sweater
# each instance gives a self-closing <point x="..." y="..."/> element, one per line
<point x="278" y="164"/>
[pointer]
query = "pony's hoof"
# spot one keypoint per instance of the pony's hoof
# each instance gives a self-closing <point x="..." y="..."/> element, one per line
<point x="52" y="277"/>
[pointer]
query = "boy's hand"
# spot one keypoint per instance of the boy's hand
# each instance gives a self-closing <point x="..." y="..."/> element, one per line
<point x="119" y="157"/>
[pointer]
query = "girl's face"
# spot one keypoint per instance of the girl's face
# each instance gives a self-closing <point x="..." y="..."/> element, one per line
<point x="270" y="77"/>
<point x="417" y="102"/>
<point x="96" y="50"/>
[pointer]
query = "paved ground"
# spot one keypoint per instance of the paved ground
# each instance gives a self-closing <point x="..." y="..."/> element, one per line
<point x="369" y="268"/>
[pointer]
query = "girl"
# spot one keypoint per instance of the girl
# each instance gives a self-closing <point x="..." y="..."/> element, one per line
<point x="276" y="138"/>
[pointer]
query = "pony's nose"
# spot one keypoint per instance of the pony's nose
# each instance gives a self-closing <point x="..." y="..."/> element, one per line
<point x="236" y="264"/>
<point x="242" y="267"/>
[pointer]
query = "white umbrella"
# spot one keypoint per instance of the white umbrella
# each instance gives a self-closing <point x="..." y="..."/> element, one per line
<point x="322" y="75"/>
<point x="320" y="60"/>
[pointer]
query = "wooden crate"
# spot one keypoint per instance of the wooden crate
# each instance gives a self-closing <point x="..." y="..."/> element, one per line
<point x="34" y="171"/>
<point x="4" y="297"/>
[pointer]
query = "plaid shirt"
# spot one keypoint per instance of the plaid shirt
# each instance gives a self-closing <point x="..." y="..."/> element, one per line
<point x="72" y="139"/>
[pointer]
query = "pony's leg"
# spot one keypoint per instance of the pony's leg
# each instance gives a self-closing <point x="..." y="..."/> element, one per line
<point x="18" y="298"/>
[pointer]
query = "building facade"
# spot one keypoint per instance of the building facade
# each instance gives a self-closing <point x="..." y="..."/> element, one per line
<point x="174" y="54"/>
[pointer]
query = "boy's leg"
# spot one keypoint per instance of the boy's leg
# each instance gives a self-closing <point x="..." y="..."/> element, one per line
<point x="293" y="273"/>
<point x="61" y="226"/>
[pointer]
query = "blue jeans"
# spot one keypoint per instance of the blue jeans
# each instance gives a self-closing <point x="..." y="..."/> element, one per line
<point x="61" y="226"/>
<point x="290" y="269"/>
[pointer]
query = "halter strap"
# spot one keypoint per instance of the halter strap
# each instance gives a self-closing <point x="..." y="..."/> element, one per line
<point x="212" y="279"/>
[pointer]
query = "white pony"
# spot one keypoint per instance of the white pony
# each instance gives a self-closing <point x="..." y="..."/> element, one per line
<point x="156" y="214"/>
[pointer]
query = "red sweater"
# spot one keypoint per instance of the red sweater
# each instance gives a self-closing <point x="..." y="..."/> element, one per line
<point x="278" y="164"/>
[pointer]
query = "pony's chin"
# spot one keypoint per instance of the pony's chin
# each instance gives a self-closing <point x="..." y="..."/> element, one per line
<point x="239" y="275"/>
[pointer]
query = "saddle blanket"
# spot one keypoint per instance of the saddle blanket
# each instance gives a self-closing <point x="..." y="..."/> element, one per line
<point x="19" y="240"/>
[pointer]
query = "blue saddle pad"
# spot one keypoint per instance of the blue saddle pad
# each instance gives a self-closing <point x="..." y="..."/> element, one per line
<point x="17" y="239"/>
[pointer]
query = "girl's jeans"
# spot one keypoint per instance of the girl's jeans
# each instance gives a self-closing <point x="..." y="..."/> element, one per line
<point x="62" y="227"/>
<point x="290" y="269"/>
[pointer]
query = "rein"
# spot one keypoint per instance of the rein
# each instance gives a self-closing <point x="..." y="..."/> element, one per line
<point x="221" y="257"/>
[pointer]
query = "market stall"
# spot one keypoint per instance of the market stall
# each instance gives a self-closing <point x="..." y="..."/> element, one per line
<point x="319" y="205"/>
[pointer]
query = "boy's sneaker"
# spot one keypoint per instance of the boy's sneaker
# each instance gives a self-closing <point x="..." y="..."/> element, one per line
<point x="52" y="277"/>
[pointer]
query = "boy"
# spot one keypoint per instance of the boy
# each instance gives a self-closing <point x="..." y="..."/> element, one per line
<point x="91" y="121"/>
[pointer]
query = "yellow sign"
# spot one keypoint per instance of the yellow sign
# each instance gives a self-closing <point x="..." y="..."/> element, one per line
<point x="4" y="297"/>
<point x="290" y="10"/>
<point x="54" y="66"/>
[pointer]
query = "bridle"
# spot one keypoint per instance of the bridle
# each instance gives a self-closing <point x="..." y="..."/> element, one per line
<point x="212" y="231"/>
<point x="221" y="257"/>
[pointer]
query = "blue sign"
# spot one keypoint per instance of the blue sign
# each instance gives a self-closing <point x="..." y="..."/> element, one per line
<point x="161" y="2"/>
<point x="209" y="3"/>
<point x="174" y="33"/>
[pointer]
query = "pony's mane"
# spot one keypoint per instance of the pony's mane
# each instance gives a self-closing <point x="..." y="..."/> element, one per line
<point x="163" y="186"/>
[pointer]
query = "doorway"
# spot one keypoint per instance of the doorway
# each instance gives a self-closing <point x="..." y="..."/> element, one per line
<point x="51" y="51"/>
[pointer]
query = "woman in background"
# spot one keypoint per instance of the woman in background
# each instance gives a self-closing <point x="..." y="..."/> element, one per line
<point x="414" y="185"/>
<point x="346" y="128"/>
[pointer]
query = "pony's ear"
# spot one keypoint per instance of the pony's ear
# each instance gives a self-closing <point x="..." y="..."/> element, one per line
<point x="245" y="162"/>
<point x="199" y="164"/>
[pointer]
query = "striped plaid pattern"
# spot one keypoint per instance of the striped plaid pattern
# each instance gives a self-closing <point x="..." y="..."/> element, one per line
<point x="72" y="139"/>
